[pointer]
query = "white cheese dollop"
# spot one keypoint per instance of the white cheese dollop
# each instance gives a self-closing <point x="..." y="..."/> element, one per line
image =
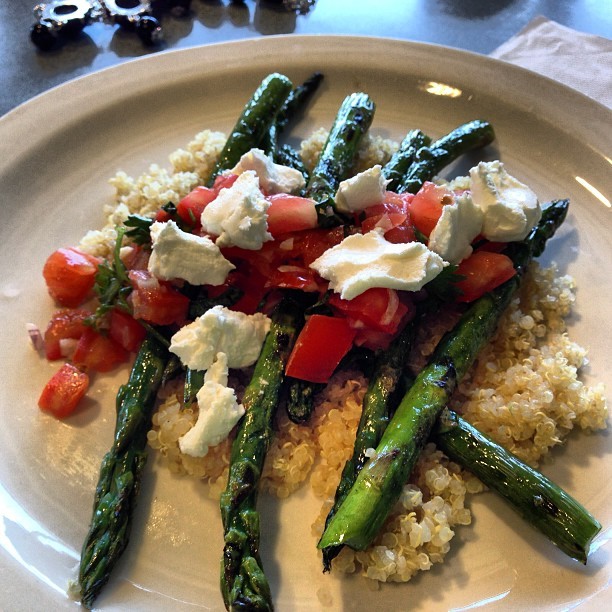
<point x="219" y="329"/>
<point x="178" y="254"/>
<point x="363" y="261"/>
<point x="510" y="208"/>
<point x="365" y="189"/>
<point x="219" y="411"/>
<point x="238" y="215"/>
<point x="459" y="223"/>
<point x="273" y="178"/>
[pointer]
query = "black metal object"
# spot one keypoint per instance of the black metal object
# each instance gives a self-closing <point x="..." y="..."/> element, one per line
<point x="61" y="20"/>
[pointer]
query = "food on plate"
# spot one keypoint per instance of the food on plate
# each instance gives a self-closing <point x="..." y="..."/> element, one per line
<point x="382" y="306"/>
<point x="121" y="470"/>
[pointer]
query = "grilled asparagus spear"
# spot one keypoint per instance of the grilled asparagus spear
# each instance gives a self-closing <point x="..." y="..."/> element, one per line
<point x="538" y="500"/>
<point x="121" y="471"/>
<point x="243" y="582"/>
<point x="352" y="121"/>
<point x="432" y="159"/>
<point x="254" y="122"/>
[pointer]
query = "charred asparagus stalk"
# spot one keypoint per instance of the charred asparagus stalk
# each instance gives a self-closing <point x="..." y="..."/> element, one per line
<point x="432" y="159"/>
<point x="352" y="121"/>
<point x="293" y="105"/>
<point x="403" y="159"/>
<point x="243" y="582"/>
<point x="254" y="122"/>
<point x="121" y="471"/>
<point x="537" y="499"/>
<point x="375" y="415"/>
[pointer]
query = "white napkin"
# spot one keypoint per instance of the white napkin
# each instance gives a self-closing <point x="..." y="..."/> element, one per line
<point x="580" y="60"/>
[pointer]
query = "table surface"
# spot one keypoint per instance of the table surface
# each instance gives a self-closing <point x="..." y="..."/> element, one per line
<point x="473" y="25"/>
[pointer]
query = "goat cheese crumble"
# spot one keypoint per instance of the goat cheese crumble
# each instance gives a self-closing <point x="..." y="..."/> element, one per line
<point x="273" y="178"/>
<point x="219" y="411"/>
<point x="510" y="208"/>
<point x="458" y="225"/>
<point x="363" y="261"/>
<point x="178" y="254"/>
<point x="218" y="340"/>
<point x="238" y="215"/>
<point x="365" y="189"/>
<point x="220" y="329"/>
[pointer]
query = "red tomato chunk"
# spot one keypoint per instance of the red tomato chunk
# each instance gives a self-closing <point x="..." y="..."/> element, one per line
<point x="392" y="216"/>
<point x="224" y="181"/>
<point x="426" y="206"/>
<point x="306" y="246"/>
<point x="125" y="330"/>
<point x="377" y="308"/>
<point x="483" y="272"/>
<point x="156" y="301"/>
<point x="64" y="391"/>
<point x="190" y="208"/>
<point x="289" y="213"/>
<point x="97" y="352"/>
<point x="70" y="276"/>
<point x="319" y="348"/>
<point x="252" y="284"/>
<point x="64" y="325"/>
<point x="294" y="277"/>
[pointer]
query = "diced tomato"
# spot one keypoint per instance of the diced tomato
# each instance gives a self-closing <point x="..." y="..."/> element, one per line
<point x="483" y="271"/>
<point x="294" y="277"/>
<point x="125" y="330"/>
<point x="398" y="202"/>
<point x="162" y="216"/>
<point x="64" y="325"/>
<point x="224" y="181"/>
<point x="97" y="352"/>
<point x="426" y="206"/>
<point x="70" y="275"/>
<point x="401" y="233"/>
<point x="284" y="262"/>
<point x="311" y="244"/>
<point x="264" y="260"/>
<point x="392" y="216"/>
<point x="373" y="339"/>
<point x="377" y="308"/>
<point x="384" y="220"/>
<point x="289" y="213"/>
<point x="64" y="391"/>
<point x="134" y="257"/>
<point x="190" y="208"/>
<point x="156" y="301"/>
<point x="396" y="227"/>
<point x="319" y="348"/>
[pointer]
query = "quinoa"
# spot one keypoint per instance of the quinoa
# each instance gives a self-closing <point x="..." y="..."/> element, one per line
<point x="524" y="391"/>
<point x="144" y="195"/>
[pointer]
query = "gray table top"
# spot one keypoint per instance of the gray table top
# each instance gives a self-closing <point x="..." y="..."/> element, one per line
<point x="474" y="25"/>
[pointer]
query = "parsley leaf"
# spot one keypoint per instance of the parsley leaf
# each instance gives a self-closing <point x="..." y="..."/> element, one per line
<point x="112" y="284"/>
<point x="139" y="229"/>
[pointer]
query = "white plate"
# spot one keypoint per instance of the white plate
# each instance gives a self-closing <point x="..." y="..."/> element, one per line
<point x="56" y="154"/>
